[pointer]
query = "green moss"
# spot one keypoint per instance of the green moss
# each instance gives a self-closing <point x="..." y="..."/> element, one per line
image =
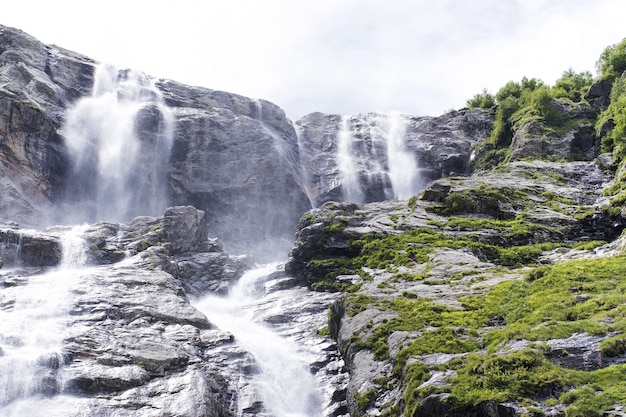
<point x="583" y="296"/>
<point x="364" y="400"/>
<point x="614" y="346"/>
<point x="484" y="200"/>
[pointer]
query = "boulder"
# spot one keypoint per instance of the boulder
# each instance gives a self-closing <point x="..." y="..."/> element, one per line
<point x="185" y="229"/>
<point x="29" y="248"/>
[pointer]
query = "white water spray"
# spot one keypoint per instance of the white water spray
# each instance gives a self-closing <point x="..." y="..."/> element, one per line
<point x="33" y="315"/>
<point x="403" y="172"/>
<point x="348" y="172"/>
<point x="284" y="382"/>
<point x="119" y="139"/>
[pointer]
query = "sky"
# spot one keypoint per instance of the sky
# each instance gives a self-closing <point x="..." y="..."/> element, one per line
<point x="417" y="57"/>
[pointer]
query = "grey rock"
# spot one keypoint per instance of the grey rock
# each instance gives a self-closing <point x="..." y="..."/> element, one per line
<point x="532" y="141"/>
<point x="28" y="248"/>
<point x="599" y="95"/>
<point x="185" y="229"/>
<point x="236" y="159"/>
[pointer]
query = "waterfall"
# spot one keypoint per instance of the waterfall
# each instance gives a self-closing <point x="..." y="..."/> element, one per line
<point x="403" y="172"/>
<point x="119" y="140"/>
<point x="284" y="381"/>
<point x="33" y="315"/>
<point x="348" y="169"/>
<point x="305" y="175"/>
<point x="373" y="160"/>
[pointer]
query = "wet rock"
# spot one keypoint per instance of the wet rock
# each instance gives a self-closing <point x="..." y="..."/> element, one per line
<point x="185" y="229"/>
<point x="29" y="248"/>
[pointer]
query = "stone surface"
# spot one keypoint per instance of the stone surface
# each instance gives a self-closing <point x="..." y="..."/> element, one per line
<point x="28" y="248"/>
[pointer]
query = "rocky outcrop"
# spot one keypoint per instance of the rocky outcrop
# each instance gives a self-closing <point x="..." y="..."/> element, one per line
<point x="130" y="343"/>
<point x="402" y="267"/>
<point x="133" y="343"/>
<point x="28" y="248"/>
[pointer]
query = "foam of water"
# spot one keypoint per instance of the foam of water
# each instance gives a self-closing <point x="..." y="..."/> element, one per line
<point x="284" y="382"/>
<point x="33" y="317"/>
<point x="119" y="139"/>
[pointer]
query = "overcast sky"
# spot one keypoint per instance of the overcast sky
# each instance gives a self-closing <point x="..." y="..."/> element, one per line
<point x="419" y="57"/>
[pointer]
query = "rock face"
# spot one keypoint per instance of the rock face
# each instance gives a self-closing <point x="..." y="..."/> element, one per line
<point x="405" y="268"/>
<point x="37" y="82"/>
<point x="28" y="248"/>
<point x="237" y="159"/>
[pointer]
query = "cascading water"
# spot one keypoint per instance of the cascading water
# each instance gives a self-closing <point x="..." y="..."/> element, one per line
<point x="379" y="156"/>
<point x="119" y="141"/>
<point x="403" y="172"/>
<point x="33" y="315"/>
<point x="284" y="382"/>
<point x="348" y="170"/>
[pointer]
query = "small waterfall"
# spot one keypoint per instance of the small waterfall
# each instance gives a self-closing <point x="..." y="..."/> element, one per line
<point x="373" y="160"/>
<point x="348" y="169"/>
<point x="284" y="381"/>
<point x="305" y="175"/>
<point x="403" y="172"/>
<point x="119" y="141"/>
<point x="33" y="315"/>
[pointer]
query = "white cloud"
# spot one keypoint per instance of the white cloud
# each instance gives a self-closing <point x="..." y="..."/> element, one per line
<point x="414" y="56"/>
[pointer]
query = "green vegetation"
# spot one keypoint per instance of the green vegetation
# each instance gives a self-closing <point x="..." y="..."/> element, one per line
<point x="484" y="100"/>
<point x="518" y="103"/>
<point x="483" y="199"/>
<point x="612" y="61"/>
<point x="585" y="296"/>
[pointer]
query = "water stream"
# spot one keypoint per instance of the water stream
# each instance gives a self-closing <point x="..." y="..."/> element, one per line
<point x="403" y="172"/>
<point x="33" y="316"/>
<point x="284" y="381"/>
<point x="119" y="139"/>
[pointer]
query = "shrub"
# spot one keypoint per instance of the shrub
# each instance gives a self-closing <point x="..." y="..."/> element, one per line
<point x="572" y="85"/>
<point x="484" y="100"/>
<point x="612" y="61"/>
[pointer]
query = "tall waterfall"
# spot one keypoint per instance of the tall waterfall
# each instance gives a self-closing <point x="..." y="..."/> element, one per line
<point x="33" y="315"/>
<point x="373" y="160"/>
<point x="348" y="168"/>
<point x="119" y="139"/>
<point x="403" y="172"/>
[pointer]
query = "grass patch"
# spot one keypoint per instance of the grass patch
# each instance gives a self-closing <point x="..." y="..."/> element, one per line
<point x="553" y="302"/>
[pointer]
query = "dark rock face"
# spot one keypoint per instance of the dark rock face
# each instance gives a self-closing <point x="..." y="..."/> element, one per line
<point x="532" y="141"/>
<point x="37" y="82"/>
<point x="28" y="249"/>
<point x="236" y="159"/>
